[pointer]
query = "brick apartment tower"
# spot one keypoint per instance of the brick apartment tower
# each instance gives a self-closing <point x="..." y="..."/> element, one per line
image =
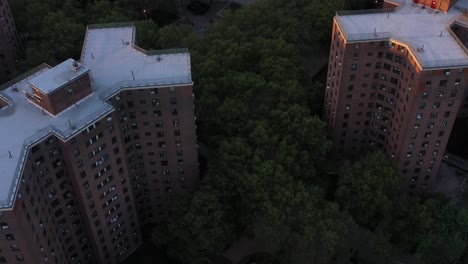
<point x="396" y="82"/>
<point x="10" y="44"/>
<point x="92" y="150"/>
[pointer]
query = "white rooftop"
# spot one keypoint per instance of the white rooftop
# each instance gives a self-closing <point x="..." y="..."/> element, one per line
<point x="111" y="57"/>
<point x="420" y="28"/>
<point x="58" y="76"/>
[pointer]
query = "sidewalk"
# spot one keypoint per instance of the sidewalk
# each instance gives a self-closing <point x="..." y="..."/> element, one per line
<point x="196" y="20"/>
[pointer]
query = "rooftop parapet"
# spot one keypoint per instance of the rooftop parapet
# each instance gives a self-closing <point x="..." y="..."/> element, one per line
<point x="426" y="33"/>
<point x="114" y="64"/>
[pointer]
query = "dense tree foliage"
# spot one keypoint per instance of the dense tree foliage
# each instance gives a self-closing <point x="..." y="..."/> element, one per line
<point x="257" y="110"/>
<point x="54" y="30"/>
<point x="268" y="173"/>
<point x="432" y="228"/>
<point x="368" y="188"/>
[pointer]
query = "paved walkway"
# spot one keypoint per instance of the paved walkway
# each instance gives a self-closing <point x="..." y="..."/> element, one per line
<point x="196" y="20"/>
<point x="242" y="248"/>
<point x="244" y="2"/>
<point x="451" y="181"/>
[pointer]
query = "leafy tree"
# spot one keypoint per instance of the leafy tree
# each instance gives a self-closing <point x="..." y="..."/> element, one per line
<point x="319" y="17"/>
<point x="198" y="227"/>
<point x="432" y="228"/>
<point x="368" y="188"/>
<point x="105" y="11"/>
<point x="31" y="28"/>
<point x="147" y="34"/>
<point x="54" y="30"/>
<point x="62" y="35"/>
<point x="299" y="226"/>
<point x="173" y="36"/>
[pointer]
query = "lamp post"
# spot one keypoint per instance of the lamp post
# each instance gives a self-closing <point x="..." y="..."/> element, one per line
<point x="180" y="7"/>
<point x="144" y="12"/>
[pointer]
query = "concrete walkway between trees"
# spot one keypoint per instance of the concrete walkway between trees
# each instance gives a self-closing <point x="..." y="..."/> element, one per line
<point x="242" y="248"/>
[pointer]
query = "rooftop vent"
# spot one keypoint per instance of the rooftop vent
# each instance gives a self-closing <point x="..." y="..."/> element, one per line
<point x="76" y="66"/>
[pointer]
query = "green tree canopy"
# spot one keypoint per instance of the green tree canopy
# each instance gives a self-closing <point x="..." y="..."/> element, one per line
<point x="367" y="188"/>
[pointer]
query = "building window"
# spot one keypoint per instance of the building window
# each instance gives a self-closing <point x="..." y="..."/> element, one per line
<point x="398" y="59"/>
<point x="389" y="56"/>
<point x="173" y="101"/>
<point x="419" y="116"/>
<point x="422" y="105"/>
<point x="443" y="83"/>
<point x="387" y="66"/>
<point x="353" y="67"/>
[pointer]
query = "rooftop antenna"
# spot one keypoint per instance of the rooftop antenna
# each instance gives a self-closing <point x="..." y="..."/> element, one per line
<point x="43" y="112"/>
<point x="375" y="32"/>
<point x="9" y="154"/>
<point x="158" y="58"/>
<point x="388" y="14"/>
<point x="133" y="75"/>
<point x="422" y="48"/>
<point x="123" y="42"/>
<point x="92" y="56"/>
<point x="441" y="33"/>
